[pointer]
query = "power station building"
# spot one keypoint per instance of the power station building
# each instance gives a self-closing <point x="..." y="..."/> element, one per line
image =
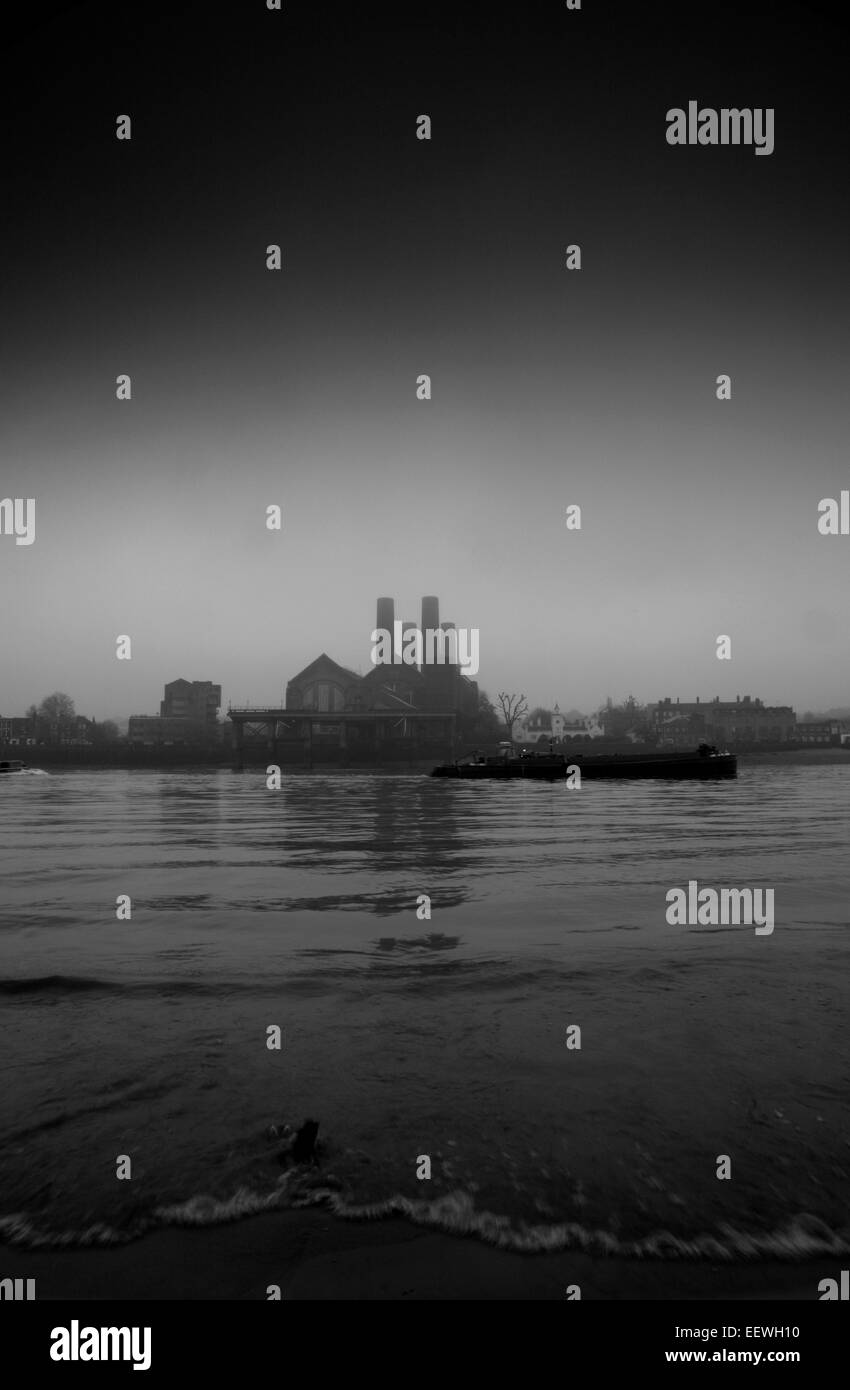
<point x="394" y="710"/>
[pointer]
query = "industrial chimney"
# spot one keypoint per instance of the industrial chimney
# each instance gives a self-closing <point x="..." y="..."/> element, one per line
<point x="454" y="665"/>
<point x="385" y="614"/>
<point x="407" y="627"/>
<point x="430" y="613"/>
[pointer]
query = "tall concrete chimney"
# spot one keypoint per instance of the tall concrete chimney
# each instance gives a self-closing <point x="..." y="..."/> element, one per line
<point x="385" y="615"/>
<point x="407" y="627"/>
<point x="430" y="612"/>
<point x="453" y="665"/>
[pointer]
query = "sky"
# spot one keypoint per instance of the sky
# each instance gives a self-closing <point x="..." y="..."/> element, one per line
<point x="400" y="257"/>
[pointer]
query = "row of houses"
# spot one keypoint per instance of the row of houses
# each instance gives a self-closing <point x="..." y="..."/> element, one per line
<point x="742" y="720"/>
<point x="188" y="716"/>
<point x="25" y="731"/>
<point x="684" y="724"/>
<point x="16" y="731"/>
<point x="824" y="732"/>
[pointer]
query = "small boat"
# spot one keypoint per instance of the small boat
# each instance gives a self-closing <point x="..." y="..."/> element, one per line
<point x="13" y="767"/>
<point x="705" y="762"/>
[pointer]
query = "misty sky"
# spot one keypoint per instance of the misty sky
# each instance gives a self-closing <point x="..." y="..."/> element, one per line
<point x="402" y="257"/>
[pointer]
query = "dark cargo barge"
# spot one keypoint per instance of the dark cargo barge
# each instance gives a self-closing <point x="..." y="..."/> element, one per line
<point x="704" y="762"/>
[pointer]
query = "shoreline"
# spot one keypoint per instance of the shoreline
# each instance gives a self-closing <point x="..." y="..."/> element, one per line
<point x="805" y="756"/>
<point x="812" y="757"/>
<point x="311" y="1255"/>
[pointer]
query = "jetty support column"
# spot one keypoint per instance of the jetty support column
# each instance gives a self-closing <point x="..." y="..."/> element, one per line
<point x="238" y="744"/>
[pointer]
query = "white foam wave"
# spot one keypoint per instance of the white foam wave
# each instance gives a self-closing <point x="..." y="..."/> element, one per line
<point x="801" y="1237"/>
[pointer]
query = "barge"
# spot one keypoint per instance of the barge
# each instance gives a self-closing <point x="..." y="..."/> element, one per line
<point x="703" y="763"/>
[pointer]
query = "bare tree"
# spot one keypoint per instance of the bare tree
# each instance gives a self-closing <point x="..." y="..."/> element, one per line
<point x="57" y="706"/>
<point x="56" y="716"/>
<point x="512" y="707"/>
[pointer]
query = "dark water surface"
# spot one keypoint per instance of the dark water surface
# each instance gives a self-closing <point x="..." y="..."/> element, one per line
<point x="443" y="1038"/>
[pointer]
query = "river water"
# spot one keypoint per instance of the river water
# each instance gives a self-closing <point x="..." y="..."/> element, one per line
<point x="445" y="1038"/>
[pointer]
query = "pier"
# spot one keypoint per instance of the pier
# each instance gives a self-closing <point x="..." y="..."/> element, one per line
<point x="341" y="736"/>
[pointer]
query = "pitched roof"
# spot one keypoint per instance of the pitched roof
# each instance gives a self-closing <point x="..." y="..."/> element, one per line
<point x="327" y="661"/>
